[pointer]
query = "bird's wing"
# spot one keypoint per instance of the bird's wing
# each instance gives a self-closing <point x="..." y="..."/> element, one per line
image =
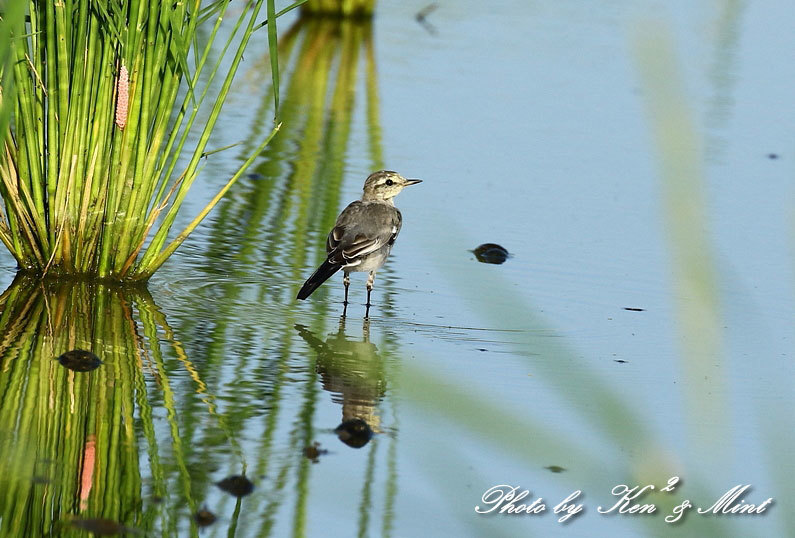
<point x="334" y="238"/>
<point x="361" y="229"/>
<point x="397" y="223"/>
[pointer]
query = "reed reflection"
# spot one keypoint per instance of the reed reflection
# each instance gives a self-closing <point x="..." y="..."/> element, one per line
<point x="67" y="416"/>
<point x="82" y="380"/>
<point x="277" y="218"/>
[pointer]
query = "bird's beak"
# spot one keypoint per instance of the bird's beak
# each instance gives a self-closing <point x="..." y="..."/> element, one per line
<point x="412" y="182"/>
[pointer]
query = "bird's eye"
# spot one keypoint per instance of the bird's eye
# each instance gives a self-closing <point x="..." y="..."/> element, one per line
<point x="390" y="182"/>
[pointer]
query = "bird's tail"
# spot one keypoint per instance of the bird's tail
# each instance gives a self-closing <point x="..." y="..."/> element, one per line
<point x="322" y="274"/>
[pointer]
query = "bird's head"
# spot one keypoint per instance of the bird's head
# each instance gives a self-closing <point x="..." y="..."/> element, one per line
<point x="385" y="185"/>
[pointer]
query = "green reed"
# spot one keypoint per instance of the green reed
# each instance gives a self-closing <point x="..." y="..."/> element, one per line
<point x="106" y="110"/>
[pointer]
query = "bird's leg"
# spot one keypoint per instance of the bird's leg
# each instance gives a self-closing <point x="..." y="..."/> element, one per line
<point x="370" y="281"/>
<point x="346" y="281"/>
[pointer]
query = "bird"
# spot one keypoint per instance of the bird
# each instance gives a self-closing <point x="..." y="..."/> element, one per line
<point x="363" y="235"/>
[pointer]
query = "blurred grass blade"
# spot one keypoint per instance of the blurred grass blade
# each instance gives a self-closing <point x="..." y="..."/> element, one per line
<point x="679" y="152"/>
<point x="274" y="56"/>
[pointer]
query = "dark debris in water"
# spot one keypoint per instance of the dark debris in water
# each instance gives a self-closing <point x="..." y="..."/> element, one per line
<point x="422" y="17"/>
<point x="491" y="253"/>
<point x="102" y="527"/>
<point x="620" y="361"/>
<point x="313" y="452"/>
<point x="772" y="156"/>
<point x="79" y="360"/>
<point x="354" y="432"/>
<point x="203" y="517"/>
<point x="236" y="485"/>
<point x="555" y="468"/>
<point x="633" y="309"/>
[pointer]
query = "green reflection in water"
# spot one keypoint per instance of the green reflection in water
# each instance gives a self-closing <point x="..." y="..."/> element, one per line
<point x="296" y="198"/>
<point x="70" y="438"/>
<point x="277" y="221"/>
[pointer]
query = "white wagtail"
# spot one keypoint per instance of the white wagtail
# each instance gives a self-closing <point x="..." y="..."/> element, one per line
<point x="363" y="234"/>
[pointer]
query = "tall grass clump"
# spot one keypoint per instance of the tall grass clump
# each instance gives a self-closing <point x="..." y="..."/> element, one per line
<point x="98" y="100"/>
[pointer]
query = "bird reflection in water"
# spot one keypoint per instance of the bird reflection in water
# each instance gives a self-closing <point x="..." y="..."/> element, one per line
<point x="353" y="372"/>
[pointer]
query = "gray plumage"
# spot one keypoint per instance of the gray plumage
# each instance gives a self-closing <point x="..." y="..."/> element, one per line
<point x="364" y="233"/>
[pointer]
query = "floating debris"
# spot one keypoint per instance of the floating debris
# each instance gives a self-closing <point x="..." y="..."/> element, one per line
<point x="102" y="527"/>
<point x="204" y="518"/>
<point x="236" y="485"/>
<point x="422" y="18"/>
<point x="632" y="309"/>
<point x="772" y="156"/>
<point x="621" y="361"/>
<point x="313" y="452"/>
<point x="424" y="12"/>
<point x="354" y="432"/>
<point x="555" y="468"/>
<point x="491" y="253"/>
<point x="79" y="360"/>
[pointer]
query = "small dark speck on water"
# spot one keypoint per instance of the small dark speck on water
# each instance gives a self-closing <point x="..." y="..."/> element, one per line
<point x="236" y="485"/>
<point x="255" y="176"/>
<point x="102" y="527"/>
<point x="621" y="361"/>
<point x="631" y="309"/>
<point x="422" y="18"/>
<point x="313" y="452"/>
<point x="79" y="360"/>
<point x="491" y="253"/>
<point x="555" y="468"/>
<point x="204" y="518"/>
<point x="772" y="156"/>
<point x="424" y="12"/>
<point x="354" y="432"/>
